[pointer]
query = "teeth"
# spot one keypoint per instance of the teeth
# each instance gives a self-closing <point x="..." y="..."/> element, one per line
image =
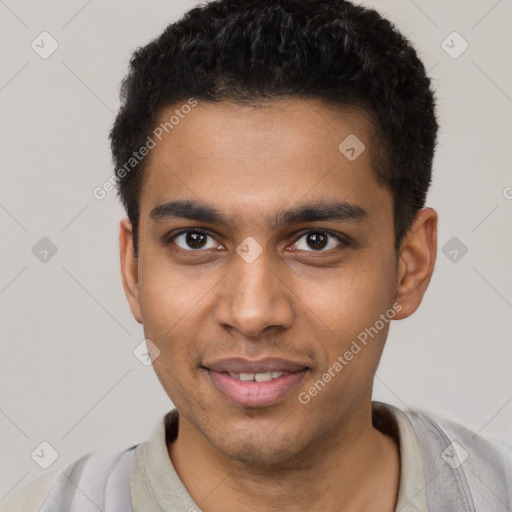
<point x="258" y="377"/>
<point x="263" y="377"/>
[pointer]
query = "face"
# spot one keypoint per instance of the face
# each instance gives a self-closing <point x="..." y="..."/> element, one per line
<point x="265" y="252"/>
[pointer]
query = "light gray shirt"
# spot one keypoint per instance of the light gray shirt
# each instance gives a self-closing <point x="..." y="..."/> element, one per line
<point x="155" y="485"/>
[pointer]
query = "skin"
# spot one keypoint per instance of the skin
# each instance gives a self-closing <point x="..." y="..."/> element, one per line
<point x="294" y="301"/>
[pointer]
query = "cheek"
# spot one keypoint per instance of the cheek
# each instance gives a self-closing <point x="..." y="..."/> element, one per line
<point x="351" y="307"/>
<point x="166" y="308"/>
<point x="167" y="314"/>
<point x="167" y="293"/>
<point x="351" y="299"/>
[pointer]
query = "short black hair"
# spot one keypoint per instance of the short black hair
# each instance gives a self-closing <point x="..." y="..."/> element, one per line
<point x="248" y="51"/>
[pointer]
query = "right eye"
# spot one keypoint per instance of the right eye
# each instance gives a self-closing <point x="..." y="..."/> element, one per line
<point x="193" y="240"/>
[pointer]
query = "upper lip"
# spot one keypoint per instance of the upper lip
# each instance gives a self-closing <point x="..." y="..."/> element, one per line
<point x="241" y="365"/>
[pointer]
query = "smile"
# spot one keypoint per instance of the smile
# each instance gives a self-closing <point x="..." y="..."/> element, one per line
<point x="261" y="389"/>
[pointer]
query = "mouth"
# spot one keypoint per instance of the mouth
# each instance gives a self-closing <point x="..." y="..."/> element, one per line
<point x="255" y="383"/>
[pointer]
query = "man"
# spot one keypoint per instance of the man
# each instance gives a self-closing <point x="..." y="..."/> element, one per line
<point x="274" y="159"/>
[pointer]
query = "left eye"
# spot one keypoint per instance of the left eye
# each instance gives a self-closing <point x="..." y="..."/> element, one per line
<point x="319" y="240"/>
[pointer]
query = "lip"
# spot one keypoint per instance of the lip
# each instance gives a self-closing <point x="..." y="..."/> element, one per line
<point x="253" y="393"/>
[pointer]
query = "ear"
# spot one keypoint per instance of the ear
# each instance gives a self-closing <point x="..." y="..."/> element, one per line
<point x="416" y="262"/>
<point x="129" y="271"/>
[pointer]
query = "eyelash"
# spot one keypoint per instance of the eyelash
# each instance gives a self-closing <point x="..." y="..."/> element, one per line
<point x="339" y="238"/>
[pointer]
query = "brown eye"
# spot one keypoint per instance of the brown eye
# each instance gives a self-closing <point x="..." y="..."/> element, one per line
<point x="318" y="240"/>
<point x="193" y="240"/>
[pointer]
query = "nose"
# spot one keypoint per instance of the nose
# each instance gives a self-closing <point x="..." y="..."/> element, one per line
<point x="254" y="298"/>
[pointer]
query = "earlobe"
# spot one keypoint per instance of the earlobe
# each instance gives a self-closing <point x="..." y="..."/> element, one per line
<point x="416" y="261"/>
<point x="129" y="268"/>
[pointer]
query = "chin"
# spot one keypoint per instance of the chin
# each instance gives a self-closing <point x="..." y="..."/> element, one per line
<point x="260" y="447"/>
<point x="254" y="453"/>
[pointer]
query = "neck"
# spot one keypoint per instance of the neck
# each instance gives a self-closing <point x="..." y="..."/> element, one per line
<point x="356" y="468"/>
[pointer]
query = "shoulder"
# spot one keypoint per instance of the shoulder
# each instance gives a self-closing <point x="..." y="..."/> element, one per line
<point x="467" y="442"/>
<point x="32" y="496"/>
<point x="81" y="484"/>
<point x="461" y="466"/>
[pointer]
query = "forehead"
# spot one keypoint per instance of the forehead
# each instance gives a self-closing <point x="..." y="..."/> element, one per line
<point x="250" y="157"/>
<point x="291" y="126"/>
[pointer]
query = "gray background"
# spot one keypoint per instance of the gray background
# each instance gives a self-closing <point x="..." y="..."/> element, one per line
<point x="68" y="375"/>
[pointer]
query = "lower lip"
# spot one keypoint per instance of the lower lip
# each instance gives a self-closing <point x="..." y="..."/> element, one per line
<point x="252" y="393"/>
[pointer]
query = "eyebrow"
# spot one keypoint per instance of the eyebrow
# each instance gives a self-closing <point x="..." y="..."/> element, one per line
<point x="310" y="212"/>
